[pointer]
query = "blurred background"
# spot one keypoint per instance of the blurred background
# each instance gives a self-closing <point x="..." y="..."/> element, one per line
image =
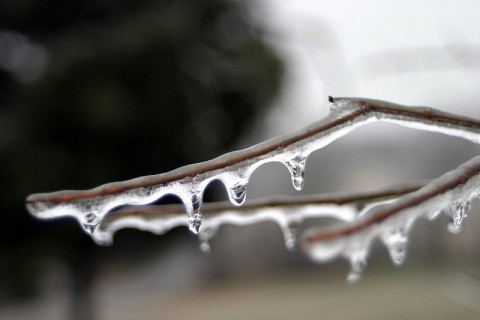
<point x="99" y="91"/>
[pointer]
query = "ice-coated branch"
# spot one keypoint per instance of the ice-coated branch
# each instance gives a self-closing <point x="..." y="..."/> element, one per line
<point x="450" y="193"/>
<point x="188" y="183"/>
<point x="288" y="212"/>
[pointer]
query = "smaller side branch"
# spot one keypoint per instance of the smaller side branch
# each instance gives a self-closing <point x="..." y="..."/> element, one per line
<point x="345" y="112"/>
<point x="287" y="212"/>
<point x="358" y="199"/>
<point x="454" y="186"/>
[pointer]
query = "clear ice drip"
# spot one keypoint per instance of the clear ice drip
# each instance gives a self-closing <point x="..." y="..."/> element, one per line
<point x="458" y="212"/>
<point x="238" y="193"/>
<point x="395" y="239"/>
<point x="204" y="238"/>
<point x="358" y="262"/>
<point x="296" y="166"/>
<point x="90" y="222"/>
<point x="391" y="222"/>
<point x="195" y="217"/>
<point x="195" y="223"/>
<point x="291" y="233"/>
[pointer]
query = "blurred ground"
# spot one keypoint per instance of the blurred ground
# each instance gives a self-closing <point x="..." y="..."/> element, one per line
<point x="386" y="293"/>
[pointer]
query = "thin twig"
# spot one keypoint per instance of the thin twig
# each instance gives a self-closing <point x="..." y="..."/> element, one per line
<point x="456" y="185"/>
<point x="427" y="118"/>
<point x="288" y="212"/>
<point x="359" y="199"/>
<point x="91" y="206"/>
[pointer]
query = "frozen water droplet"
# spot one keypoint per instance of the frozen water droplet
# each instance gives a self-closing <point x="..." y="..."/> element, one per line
<point x="195" y="223"/>
<point x="396" y="238"/>
<point x="238" y="193"/>
<point x="193" y="204"/>
<point x="90" y="228"/>
<point x="458" y="212"/>
<point x="90" y="222"/>
<point x="291" y="233"/>
<point x="196" y="202"/>
<point x="204" y="237"/>
<point x="296" y="166"/>
<point x="291" y="241"/>
<point x="103" y="238"/>
<point x="90" y="217"/>
<point x="358" y="262"/>
<point x="354" y="276"/>
<point x="205" y="246"/>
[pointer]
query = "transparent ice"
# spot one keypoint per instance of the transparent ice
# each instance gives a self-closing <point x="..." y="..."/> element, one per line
<point x="98" y="218"/>
<point x="393" y="229"/>
<point x="458" y="212"/>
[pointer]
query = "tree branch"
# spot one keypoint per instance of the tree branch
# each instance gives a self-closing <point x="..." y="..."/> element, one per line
<point x="450" y="193"/>
<point x="287" y="212"/>
<point x="451" y="187"/>
<point x="234" y="169"/>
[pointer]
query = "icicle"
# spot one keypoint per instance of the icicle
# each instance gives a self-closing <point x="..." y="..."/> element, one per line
<point x="204" y="238"/>
<point x="205" y="246"/>
<point x="458" y="212"/>
<point x="296" y="166"/>
<point x="236" y="184"/>
<point x="395" y="239"/>
<point x="291" y="233"/>
<point x="193" y="210"/>
<point x="103" y="239"/>
<point x="195" y="223"/>
<point x="90" y="222"/>
<point x="358" y="262"/>
<point x="238" y="193"/>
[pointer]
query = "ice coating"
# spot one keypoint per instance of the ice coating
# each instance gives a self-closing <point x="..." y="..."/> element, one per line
<point x="451" y="193"/>
<point x="234" y="169"/>
<point x="395" y="239"/>
<point x="92" y="207"/>
<point x="458" y="212"/>
<point x="287" y="212"/>
<point x="296" y="167"/>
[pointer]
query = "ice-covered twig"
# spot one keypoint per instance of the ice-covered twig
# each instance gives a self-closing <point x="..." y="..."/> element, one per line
<point x="288" y="212"/>
<point x="89" y="207"/>
<point x="450" y="193"/>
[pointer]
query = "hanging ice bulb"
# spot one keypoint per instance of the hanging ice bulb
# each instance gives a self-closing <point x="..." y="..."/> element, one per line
<point x="195" y="223"/>
<point x="237" y="192"/>
<point x="194" y="211"/>
<point x="358" y="262"/>
<point x="458" y="212"/>
<point x="296" y="166"/>
<point x="90" y="222"/>
<point x="204" y="237"/>
<point x="395" y="239"/>
<point x="291" y="233"/>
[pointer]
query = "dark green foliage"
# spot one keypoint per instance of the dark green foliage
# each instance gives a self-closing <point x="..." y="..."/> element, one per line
<point x="132" y="88"/>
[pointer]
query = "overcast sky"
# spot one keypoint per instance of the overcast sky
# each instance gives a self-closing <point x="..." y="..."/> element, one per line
<point x="410" y="52"/>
